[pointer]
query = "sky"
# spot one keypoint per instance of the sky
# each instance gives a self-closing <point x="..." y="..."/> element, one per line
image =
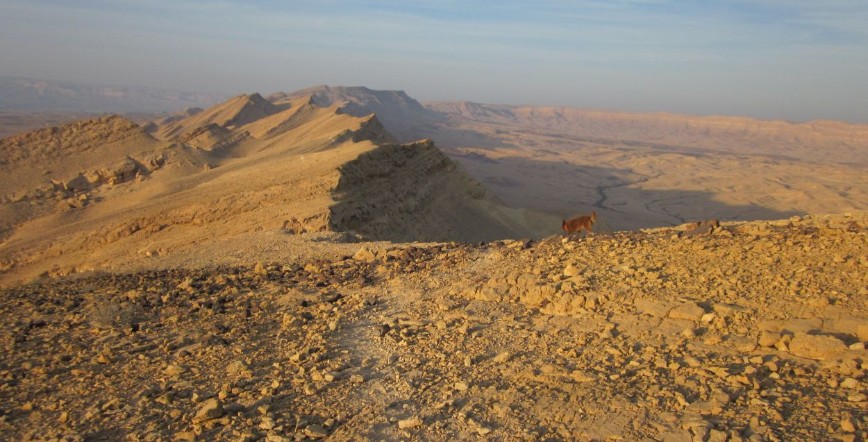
<point x="771" y="59"/>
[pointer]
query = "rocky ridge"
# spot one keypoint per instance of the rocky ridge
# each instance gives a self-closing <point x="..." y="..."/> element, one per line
<point x="401" y="114"/>
<point x="106" y="186"/>
<point x="69" y="140"/>
<point x="751" y="331"/>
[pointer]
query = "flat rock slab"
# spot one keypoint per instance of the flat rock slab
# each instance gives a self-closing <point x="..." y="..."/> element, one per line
<point x="817" y="346"/>
<point x="652" y="307"/>
<point x="800" y="325"/>
<point x="688" y="310"/>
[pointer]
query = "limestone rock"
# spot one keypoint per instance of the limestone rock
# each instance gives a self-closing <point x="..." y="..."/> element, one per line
<point x="315" y="431"/>
<point x="816" y="346"/>
<point x="236" y="367"/>
<point x="862" y="332"/>
<point x="657" y="309"/>
<point x="174" y="370"/>
<point x="501" y="357"/>
<point x="849" y="383"/>
<point x="185" y="436"/>
<point x="847" y="426"/>
<point x="688" y="310"/>
<point x="412" y="422"/>
<point x="210" y="409"/>
<point x="364" y="254"/>
<point x="768" y="339"/>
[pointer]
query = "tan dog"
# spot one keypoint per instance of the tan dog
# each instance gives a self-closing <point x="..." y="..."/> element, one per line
<point x="576" y="225"/>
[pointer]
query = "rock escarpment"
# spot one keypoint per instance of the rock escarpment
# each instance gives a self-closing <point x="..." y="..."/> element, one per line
<point x="414" y="192"/>
<point x="248" y="165"/>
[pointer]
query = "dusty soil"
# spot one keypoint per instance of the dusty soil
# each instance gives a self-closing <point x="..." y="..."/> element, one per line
<point x="750" y="331"/>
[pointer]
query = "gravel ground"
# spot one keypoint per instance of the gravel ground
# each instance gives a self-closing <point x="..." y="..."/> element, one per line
<point x="749" y="331"/>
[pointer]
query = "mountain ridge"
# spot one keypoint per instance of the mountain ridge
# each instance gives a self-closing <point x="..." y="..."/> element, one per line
<point x="227" y="172"/>
<point x="400" y="113"/>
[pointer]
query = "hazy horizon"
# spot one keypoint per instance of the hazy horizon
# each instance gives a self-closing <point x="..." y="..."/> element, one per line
<point x="766" y="59"/>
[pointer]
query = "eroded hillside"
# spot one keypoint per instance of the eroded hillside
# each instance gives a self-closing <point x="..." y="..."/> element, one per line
<point x="637" y="169"/>
<point x="401" y="114"/>
<point x="106" y="193"/>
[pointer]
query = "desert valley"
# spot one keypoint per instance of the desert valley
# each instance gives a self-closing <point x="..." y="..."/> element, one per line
<point x="344" y="263"/>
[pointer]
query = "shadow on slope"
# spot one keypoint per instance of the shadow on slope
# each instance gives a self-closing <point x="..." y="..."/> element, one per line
<point x="567" y="190"/>
<point x="413" y="192"/>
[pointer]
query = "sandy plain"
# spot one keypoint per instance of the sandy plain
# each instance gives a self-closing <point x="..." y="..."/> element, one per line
<point x="644" y="170"/>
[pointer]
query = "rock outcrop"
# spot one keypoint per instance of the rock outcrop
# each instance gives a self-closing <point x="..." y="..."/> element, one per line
<point x="414" y="192"/>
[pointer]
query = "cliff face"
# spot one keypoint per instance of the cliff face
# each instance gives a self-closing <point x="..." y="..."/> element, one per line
<point x="414" y="192"/>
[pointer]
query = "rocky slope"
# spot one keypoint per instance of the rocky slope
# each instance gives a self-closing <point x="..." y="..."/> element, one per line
<point x="749" y="331"/>
<point x="205" y="277"/>
<point x="404" y="193"/>
<point x="235" y="112"/>
<point x="15" y="122"/>
<point x="53" y="170"/>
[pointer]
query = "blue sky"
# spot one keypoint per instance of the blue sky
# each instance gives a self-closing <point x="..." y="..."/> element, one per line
<point x="775" y="59"/>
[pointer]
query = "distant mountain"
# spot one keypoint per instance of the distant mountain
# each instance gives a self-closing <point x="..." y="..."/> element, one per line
<point x="28" y="94"/>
